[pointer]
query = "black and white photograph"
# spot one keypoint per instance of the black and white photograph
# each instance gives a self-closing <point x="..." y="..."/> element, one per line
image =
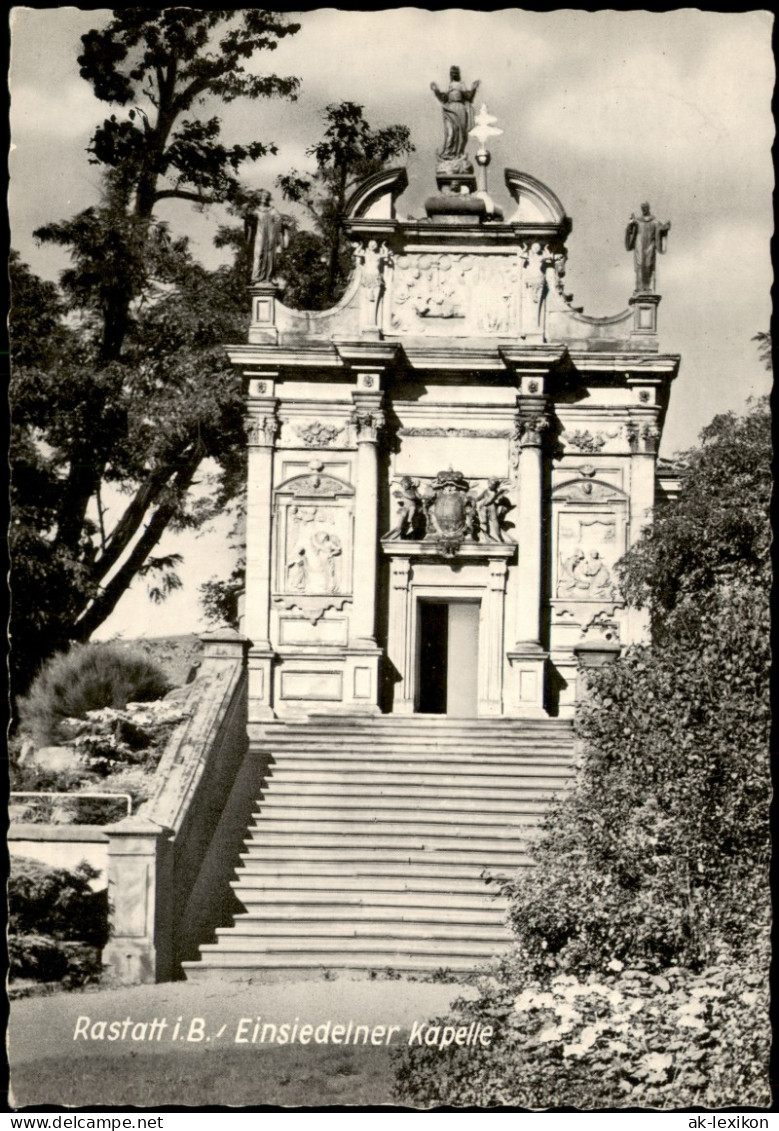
<point x="390" y="560"/>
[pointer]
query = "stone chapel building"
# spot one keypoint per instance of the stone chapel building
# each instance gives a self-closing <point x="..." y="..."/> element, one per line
<point x="443" y="471"/>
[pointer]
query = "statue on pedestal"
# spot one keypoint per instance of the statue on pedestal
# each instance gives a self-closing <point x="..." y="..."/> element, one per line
<point x="491" y="505"/>
<point x="372" y="260"/>
<point x="458" y="114"/>
<point x="268" y="235"/>
<point x="645" y="237"/>
<point x="410" y="508"/>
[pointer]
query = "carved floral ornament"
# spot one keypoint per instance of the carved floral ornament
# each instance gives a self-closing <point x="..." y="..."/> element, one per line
<point x="589" y="442"/>
<point x="318" y="435"/>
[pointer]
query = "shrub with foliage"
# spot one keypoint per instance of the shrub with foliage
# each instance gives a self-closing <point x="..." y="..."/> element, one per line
<point x="86" y="678"/>
<point x="57" y="925"/>
<point x="57" y="902"/>
<point x="625" y="1038"/>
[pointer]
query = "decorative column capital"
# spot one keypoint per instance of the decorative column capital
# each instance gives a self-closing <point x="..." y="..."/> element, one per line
<point x="530" y="431"/>
<point x="262" y="427"/>
<point x="367" y="416"/>
<point x="367" y="425"/>
<point x="643" y="437"/>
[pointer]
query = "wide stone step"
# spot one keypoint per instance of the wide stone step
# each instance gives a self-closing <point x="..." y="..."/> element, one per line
<point x="289" y="966"/>
<point x="274" y="813"/>
<point x="401" y="834"/>
<point x="477" y="856"/>
<point x="370" y="793"/>
<point x="332" y="875"/>
<point x="295" y="943"/>
<point x="440" y="768"/>
<point x="314" y="903"/>
<point x="398" y="779"/>
<point x="313" y="930"/>
<point x="419" y="722"/>
<point x="399" y="747"/>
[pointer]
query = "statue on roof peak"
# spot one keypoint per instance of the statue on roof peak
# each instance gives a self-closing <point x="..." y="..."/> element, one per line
<point x="457" y="108"/>
<point x="646" y="236"/>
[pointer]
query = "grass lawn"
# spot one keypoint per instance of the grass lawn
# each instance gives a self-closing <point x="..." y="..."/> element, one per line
<point x="294" y="1076"/>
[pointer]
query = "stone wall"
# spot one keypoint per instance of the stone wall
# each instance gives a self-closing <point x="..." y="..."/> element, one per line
<point x="184" y="839"/>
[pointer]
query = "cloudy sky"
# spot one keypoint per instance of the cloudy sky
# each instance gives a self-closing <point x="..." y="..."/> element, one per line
<point x="608" y="108"/>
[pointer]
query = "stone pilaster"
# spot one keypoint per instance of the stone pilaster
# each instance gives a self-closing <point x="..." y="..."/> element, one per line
<point x="643" y="438"/>
<point x="262" y="427"/>
<point x="398" y="646"/>
<point x="492" y="638"/>
<point x="528" y="657"/>
<point x="368" y="420"/>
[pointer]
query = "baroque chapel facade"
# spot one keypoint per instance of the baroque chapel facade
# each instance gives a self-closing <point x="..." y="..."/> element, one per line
<point x="443" y="471"/>
<point x="445" y="467"/>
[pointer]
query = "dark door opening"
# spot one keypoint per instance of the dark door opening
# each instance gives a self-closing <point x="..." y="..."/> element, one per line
<point x="433" y="649"/>
<point x="448" y="658"/>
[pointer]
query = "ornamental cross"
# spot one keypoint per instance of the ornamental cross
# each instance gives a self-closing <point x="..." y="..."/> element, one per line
<point x="484" y="128"/>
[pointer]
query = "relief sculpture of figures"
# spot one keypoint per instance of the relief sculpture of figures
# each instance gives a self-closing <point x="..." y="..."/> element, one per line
<point x="327" y="548"/>
<point x="570" y="578"/>
<point x="458" y="113"/>
<point x="297" y="572"/>
<point x="598" y="575"/>
<point x="268" y="235"/>
<point x="584" y="574"/>
<point x="410" y="506"/>
<point x="646" y="237"/>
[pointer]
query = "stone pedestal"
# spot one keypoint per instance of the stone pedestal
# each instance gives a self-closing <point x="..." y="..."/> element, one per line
<point x="644" y="315"/>
<point x="140" y="868"/>
<point x="526" y="696"/>
<point x="262" y="329"/>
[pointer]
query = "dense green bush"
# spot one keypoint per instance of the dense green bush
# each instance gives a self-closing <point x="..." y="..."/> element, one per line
<point x="57" y="902"/>
<point x="40" y="958"/>
<point x="36" y="958"/>
<point x="88" y="677"/>
<point x="627" y="1038"/>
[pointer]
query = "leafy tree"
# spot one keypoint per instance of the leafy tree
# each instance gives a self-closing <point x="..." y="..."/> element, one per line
<point x="85" y="434"/>
<point x="318" y="264"/>
<point x="172" y="59"/>
<point x="128" y="390"/>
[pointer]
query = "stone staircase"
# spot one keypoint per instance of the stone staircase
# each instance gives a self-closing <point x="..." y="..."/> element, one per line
<point x="368" y="846"/>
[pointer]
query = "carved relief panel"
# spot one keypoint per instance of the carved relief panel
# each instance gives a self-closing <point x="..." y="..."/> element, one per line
<point x="455" y="293"/>
<point x="313" y="525"/>
<point x="590" y="535"/>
